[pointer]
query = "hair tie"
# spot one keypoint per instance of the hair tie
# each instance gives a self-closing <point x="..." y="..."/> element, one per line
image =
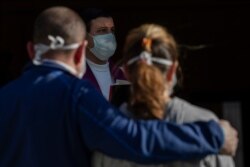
<point x="147" y="43"/>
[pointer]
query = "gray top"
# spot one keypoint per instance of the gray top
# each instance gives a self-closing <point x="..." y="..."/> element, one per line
<point x="179" y="111"/>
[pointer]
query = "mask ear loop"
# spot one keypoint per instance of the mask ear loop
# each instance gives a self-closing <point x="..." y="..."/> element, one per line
<point x="56" y="43"/>
<point x="147" y="57"/>
<point x="144" y="56"/>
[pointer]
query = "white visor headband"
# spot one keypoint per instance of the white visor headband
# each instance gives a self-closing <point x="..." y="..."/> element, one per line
<point x="147" y="57"/>
<point x="56" y="43"/>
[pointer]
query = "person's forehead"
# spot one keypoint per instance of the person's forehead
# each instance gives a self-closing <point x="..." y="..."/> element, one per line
<point x="102" y="22"/>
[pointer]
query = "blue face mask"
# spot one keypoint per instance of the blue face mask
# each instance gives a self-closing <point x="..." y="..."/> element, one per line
<point x="104" y="46"/>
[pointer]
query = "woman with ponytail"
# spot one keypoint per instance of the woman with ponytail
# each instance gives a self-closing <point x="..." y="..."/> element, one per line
<point x="150" y="64"/>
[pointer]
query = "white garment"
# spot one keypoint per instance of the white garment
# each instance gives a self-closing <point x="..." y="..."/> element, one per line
<point x="103" y="76"/>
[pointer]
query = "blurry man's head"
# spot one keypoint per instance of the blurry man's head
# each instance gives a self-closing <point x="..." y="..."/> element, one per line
<point x="59" y="21"/>
<point x="59" y="33"/>
<point x="101" y="39"/>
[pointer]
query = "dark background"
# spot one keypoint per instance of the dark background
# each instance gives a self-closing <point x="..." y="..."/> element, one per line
<point x="214" y="34"/>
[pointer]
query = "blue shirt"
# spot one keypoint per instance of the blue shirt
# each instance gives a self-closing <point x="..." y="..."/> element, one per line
<point x="50" y="118"/>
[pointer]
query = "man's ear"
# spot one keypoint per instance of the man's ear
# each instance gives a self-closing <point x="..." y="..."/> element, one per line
<point x="171" y="72"/>
<point x="30" y="50"/>
<point x="90" y="41"/>
<point x="80" y="52"/>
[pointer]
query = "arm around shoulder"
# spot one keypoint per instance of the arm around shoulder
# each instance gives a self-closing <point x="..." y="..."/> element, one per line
<point x="105" y="129"/>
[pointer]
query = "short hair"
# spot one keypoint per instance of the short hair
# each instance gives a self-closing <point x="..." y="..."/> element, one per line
<point x="90" y="14"/>
<point x="59" y="21"/>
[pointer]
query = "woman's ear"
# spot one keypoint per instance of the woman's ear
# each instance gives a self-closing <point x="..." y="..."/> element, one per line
<point x="30" y="50"/>
<point x="171" y="72"/>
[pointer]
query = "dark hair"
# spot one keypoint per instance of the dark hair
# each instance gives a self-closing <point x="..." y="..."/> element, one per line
<point x="90" y="14"/>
